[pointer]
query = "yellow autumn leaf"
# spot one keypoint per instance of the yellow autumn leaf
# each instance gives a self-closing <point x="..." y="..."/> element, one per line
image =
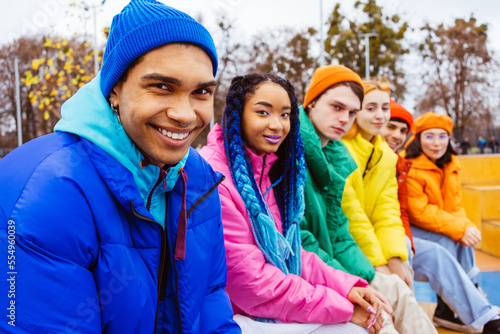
<point x="74" y="82"/>
<point x="60" y="74"/>
<point x="35" y="64"/>
<point x="30" y="94"/>
<point x="80" y="84"/>
<point x="49" y="62"/>
<point x="86" y="45"/>
<point x="47" y="43"/>
<point x="65" y="87"/>
<point x="53" y="92"/>
<point x="33" y="100"/>
<point x="41" y="106"/>
<point x="46" y="115"/>
<point x="47" y="76"/>
<point x="58" y="45"/>
<point x="64" y="42"/>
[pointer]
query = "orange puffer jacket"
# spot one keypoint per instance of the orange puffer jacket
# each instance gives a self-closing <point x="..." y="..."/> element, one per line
<point x="435" y="196"/>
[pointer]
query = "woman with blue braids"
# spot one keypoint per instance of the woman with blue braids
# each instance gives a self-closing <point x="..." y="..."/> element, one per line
<point x="274" y="285"/>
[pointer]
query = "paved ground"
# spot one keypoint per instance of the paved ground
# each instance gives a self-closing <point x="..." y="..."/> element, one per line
<point x="489" y="279"/>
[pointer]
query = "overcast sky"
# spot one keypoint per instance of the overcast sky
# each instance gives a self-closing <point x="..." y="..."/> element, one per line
<point x="19" y="17"/>
<point x="27" y="16"/>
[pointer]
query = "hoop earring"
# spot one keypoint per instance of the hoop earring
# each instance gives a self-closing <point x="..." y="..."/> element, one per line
<point x="116" y="111"/>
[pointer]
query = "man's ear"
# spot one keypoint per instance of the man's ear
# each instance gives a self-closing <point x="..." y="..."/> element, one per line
<point x="115" y="94"/>
<point x="310" y="106"/>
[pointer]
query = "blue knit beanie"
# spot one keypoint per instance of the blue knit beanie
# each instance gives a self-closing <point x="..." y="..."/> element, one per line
<point x="143" y="25"/>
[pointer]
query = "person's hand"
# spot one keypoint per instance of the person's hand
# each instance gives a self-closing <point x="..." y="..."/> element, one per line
<point x="365" y="319"/>
<point x="367" y="309"/>
<point x="386" y="305"/>
<point x="384" y="269"/>
<point x="471" y="238"/>
<point x="396" y="267"/>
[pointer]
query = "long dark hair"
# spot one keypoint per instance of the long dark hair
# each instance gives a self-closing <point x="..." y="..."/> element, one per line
<point x="414" y="150"/>
<point x="287" y="174"/>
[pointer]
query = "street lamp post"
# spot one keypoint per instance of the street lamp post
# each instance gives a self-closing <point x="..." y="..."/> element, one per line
<point x="367" y="52"/>
<point x="96" y="58"/>
<point x="321" y="38"/>
<point x="18" y="103"/>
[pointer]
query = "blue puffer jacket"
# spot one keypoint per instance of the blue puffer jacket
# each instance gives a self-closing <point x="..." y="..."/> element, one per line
<point x="91" y="258"/>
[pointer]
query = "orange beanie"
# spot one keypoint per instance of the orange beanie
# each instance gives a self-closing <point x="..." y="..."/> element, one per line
<point x="430" y="120"/>
<point x="327" y="76"/>
<point x="397" y="111"/>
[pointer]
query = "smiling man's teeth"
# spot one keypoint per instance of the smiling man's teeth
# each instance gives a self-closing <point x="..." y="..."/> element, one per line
<point x="173" y="135"/>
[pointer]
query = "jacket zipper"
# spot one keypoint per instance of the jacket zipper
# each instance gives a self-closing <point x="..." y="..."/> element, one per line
<point x="163" y="248"/>
<point x="162" y="255"/>
<point x="368" y="162"/>
<point x="262" y="172"/>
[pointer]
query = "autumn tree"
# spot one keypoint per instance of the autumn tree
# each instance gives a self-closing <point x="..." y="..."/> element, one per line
<point x="230" y="64"/>
<point x="458" y="77"/>
<point x="26" y="49"/>
<point x="287" y="53"/>
<point x="344" y="43"/>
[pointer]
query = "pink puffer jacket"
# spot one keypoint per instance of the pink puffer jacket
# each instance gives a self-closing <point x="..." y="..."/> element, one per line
<point x="258" y="288"/>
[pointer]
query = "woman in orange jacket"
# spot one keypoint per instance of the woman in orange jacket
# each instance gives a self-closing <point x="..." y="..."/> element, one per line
<point x="434" y="206"/>
<point x="434" y="191"/>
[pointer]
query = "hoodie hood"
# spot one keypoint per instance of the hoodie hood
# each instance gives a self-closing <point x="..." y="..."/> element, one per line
<point x="88" y="114"/>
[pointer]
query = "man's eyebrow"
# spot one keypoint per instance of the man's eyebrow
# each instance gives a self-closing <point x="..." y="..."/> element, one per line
<point x="343" y="105"/>
<point x="162" y="78"/>
<point x="208" y="84"/>
<point x="174" y="81"/>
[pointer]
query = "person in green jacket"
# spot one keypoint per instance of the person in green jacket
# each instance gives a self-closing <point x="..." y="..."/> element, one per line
<point x="328" y="165"/>
<point x="332" y="101"/>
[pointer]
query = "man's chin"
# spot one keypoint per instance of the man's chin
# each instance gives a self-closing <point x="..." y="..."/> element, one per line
<point x="171" y="158"/>
<point x="393" y="147"/>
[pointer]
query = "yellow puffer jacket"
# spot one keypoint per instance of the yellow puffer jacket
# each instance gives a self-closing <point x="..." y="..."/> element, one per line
<point x="435" y="196"/>
<point x="371" y="203"/>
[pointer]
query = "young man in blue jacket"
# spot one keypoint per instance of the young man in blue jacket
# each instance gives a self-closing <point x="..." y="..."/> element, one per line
<point x="112" y="224"/>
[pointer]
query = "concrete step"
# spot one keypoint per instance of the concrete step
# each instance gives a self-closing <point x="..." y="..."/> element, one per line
<point x="480" y="169"/>
<point x="490" y="231"/>
<point x="481" y="202"/>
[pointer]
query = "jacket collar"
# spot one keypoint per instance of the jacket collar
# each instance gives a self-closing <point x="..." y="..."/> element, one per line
<point x="261" y="164"/>
<point x="319" y="159"/>
<point x="423" y="162"/>
<point x="367" y="154"/>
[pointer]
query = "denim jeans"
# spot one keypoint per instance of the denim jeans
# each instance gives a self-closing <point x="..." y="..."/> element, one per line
<point x="450" y="268"/>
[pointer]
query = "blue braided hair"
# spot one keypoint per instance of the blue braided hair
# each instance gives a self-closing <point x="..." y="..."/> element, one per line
<point x="288" y="175"/>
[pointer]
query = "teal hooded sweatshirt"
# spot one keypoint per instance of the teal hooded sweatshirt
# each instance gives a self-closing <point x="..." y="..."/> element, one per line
<point x="89" y="115"/>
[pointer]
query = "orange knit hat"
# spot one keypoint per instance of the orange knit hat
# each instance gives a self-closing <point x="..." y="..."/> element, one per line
<point x="327" y="76"/>
<point x="430" y="120"/>
<point x="397" y="111"/>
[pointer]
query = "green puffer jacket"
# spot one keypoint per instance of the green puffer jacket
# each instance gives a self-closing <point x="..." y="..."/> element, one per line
<point x="325" y="228"/>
